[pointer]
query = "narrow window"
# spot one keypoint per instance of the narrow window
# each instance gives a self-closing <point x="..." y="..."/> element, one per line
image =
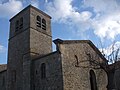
<point x="33" y="86"/>
<point x="43" y="71"/>
<point x="36" y="72"/>
<point x="17" y="25"/>
<point x="77" y="63"/>
<point x="3" y="82"/>
<point x="38" y="21"/>
<point x="93" y="82"/>
<point x="21" y="22"/>
<point x="14" y="76"/>
<point x="43" y="24"/>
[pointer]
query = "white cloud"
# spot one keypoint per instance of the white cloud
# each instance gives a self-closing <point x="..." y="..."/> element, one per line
<point x="46" y="1"/>
<point x="106" y="24"/>
<point x="100" y="6"/>
<point x="62" y="10"/>
<point x="2" y="49"/>
<point x="10" y="8"/>
<point x="103" y="18"/>
<point x="35" y="3"/>
<point x="108" y="27"/>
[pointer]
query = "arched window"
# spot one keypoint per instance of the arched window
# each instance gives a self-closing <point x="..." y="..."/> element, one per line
<point x="77" y="62"/>
<point x="17" y="25"/>
<point x="14" y="76"/>
<point x="43" y="71"/>
<point x="3" y="82"/>
<point x="43" y="24"/>
<point x="33" y="86"/>
<point x="21" y="22"/>
<point x="93" y="82"/>
<point x="38" y="21"/>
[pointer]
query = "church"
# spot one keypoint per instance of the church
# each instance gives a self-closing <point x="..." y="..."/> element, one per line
<point x="32" y="64"/>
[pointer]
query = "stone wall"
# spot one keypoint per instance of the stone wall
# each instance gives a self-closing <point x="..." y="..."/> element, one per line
<point x="78" y="58"/>
<point x="53" y="80"/>
<point x="25" y="44"/>
<point x="18" y="46"/>
<point x="3" y="73"/>
<point x="117" y="78"/>
<point x="114" y="76"/>
<point x="3" y="80"/>
<point x="40" y="40"/>
<point x="40" y="43"/>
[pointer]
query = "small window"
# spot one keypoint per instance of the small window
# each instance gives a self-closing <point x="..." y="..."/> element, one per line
<point x="36" y="72"/>
<point x="93" y="82"/>
<point x="14" y="76"/>
<point x="77" y="62"/>
<point x="43" y="71"/>
<point x="3" y="82"/>
<point x="21" y="22"/>
<point x="43" y="24"/>
<point x="38" y="21"/>
<point x="17" y="25"/>
<point x="33" y="86"/>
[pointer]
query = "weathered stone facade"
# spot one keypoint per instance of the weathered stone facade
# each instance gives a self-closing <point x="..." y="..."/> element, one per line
<point x="24" y="44"/>
<point x="75" y="65"/>
<point x="78" y="58"/>
<point x="113" y="73"/>
<point x="54" y="77"/>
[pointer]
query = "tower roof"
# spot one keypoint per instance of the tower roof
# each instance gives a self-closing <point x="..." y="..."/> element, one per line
<point x="30" y="6"/>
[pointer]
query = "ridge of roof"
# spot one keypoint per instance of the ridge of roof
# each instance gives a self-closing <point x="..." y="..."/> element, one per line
<point x="70" y="41"/>
<point x="114" y="66"/>
<point x="60" y="41"/>
<point x="45" y="55"/>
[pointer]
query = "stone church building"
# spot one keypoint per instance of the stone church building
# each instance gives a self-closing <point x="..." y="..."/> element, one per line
<point x="32" y="65"/>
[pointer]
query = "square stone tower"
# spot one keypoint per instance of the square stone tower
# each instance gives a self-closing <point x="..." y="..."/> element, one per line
<point x="30" y="36"/>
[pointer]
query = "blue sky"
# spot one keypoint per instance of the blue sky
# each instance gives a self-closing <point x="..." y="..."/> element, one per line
<point x="96" y="20"/>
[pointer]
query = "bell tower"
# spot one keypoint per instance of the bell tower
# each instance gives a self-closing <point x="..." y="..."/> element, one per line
<point x="30" y="36"/>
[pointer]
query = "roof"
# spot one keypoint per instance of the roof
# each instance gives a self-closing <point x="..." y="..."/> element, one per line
<point x="81" y="41"/>
<point x="39" y="57"/>
<point x="3" y="67"/>
<point x="114" y="66"/>
<point x="30" y="6"/>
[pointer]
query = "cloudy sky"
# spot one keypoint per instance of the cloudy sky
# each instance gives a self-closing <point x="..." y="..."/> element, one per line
<point x="96" y="20"/>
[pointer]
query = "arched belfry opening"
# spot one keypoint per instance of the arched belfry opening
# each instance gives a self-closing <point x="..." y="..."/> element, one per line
<point x="38" y="21"/>
<point x="93" y="82"/>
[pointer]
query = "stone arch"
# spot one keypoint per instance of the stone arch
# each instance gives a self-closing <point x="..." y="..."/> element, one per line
<point x="38" y="21"/>
<point x="43" y="70"/>
<point x="93" y="82"/>
<point x="43" y="24"/>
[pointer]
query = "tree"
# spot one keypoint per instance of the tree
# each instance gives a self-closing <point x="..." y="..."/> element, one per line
<point x="111" y="53"/>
